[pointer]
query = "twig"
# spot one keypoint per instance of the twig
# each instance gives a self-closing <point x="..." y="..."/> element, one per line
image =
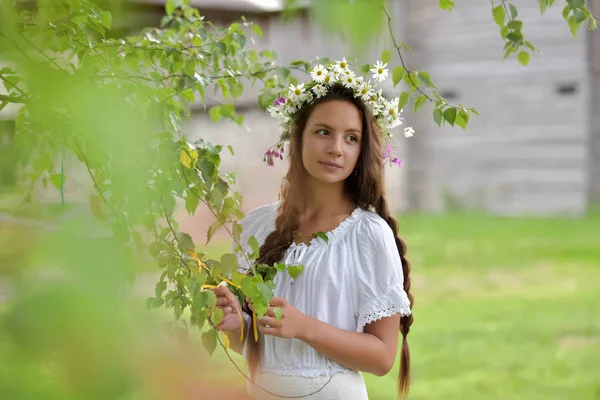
<point x="100" y="192"/>
<point x="508" y="14"/>
<point x="213" y="78"/>
<point x="40" y="51"/>
<point x="13" y="99"/>
<point x="257" y="385"/>
<point x="6" y="81"/>
<point x="92" y="48"/>
<point x="399" y="51"/>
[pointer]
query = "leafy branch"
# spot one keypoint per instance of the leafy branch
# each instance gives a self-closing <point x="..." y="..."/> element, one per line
<point x="443" y="112"/>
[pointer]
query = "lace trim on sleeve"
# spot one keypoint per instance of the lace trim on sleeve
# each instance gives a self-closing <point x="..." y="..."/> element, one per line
<point x="392" y="302"/>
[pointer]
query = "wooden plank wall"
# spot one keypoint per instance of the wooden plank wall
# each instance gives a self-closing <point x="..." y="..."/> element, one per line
<point x="528" y="153"/>
<point x="594" y="47"/>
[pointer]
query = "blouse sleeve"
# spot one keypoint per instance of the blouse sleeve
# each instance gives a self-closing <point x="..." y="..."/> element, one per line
<point x="380" y="280"/>
<point x="258" y="223"/>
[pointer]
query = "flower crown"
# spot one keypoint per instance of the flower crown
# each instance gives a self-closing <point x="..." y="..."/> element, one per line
<point x="324" y="77"/>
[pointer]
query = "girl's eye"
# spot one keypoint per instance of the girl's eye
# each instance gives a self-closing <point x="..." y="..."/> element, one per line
<point x="322" y="132"/>
<point x="353" y="138"/>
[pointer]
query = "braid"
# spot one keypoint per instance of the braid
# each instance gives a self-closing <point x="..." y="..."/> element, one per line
<point x="405" y="321"/>
<point x="271" y="252"/>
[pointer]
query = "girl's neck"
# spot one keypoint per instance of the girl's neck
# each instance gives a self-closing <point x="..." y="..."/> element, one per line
<point x="325" y="199"/>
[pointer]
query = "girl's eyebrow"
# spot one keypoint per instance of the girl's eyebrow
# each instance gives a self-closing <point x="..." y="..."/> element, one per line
<point x="330" y="128"/>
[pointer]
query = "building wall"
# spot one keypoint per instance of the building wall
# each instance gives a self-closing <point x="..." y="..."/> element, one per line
<point x="594" y="53"/>
<point x="528" y="151"/>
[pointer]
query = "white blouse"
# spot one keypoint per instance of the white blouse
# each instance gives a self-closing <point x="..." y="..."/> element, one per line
<point x="354" y="279"/>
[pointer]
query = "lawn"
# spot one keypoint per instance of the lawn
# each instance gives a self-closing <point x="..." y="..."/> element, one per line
<point x="504" y="309"/>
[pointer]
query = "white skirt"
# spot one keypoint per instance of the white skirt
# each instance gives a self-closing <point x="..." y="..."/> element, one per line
<point x="342" y="386"/>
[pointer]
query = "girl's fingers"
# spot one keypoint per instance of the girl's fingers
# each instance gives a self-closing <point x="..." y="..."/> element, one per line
<point x="222" y="301"/>
<point x="271" y="321"/>
<point x="271" y="312"/>
<point x="268" y="330"/>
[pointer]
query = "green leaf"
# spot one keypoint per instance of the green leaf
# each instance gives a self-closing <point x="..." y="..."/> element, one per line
<point x="573" y="25"/>
<point x="236" y="89"/>
<point x="209" y="341"/>
<point x="253" y="243"/>
<point x="529" y="45"/>
<point x="160" y="288"/>
<point x="185" y="242"/>
<point x="425" y="79"/>
<point x="365" y="69"/>
<point x="359" y="21"/>
<point x="191" y="202"/>
<point x="565" y="12"/>
<point x="404" y="96"/>
<point x="499" y="14"/>
<point x="229" y="263"/>
<point x="217" y="316"/>
<point x="280" y="267"/>
<point x="513" y="11"/>
<point x="419" y="101"/>
<point x="295" y="270"/>
<point x="256" y="29"/>
<point x="447" y="5"/>
<point x="543" y="6"/>
<point x="237" y="277"/>
<point x="523" y="57"/>
<point x="188" y="94"/>
<point x="215" y="114"/>
<point x="214" y="227"/>
<point x="515" y="24"/>
<point x="56" y="180"/>
<point x="386" y="56"/>
<point x="450" y="115"/>
<point x="462" y="119"/>
<point x="437" y="116"/>
<point x="170" y="7"/>
<point x="278" y="314"/>
<point x="579" y="16"/>
<point x="323" y="236"/>
<point x="209" y="298"/>
<point x="106" y="18"/>
<point x="412" y="80"/>
<point x="397" y="75"/>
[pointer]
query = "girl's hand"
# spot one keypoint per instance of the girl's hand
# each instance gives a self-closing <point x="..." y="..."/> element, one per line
<point x="230" y="305"/>
<point x="293" y="323"/>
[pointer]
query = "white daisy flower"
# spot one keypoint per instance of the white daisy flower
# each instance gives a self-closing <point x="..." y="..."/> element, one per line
<point x="296" y="92"/>
<point x="349" y="81"/>
<point x="346" y="73"/>
<point x="274" y="111"/>
<point x="341" y="66"/>
<point x="320" y="91"/>
<point x="365" y="91"/>
<point x="379" y="71"/>
<point x="375" y="108"/>
<point x="330" y="79"/>
<point x="393" y="103"/>
<point x="289" y="107"/>
<point x="409" y="131"/>
<point x="318" y="73"/>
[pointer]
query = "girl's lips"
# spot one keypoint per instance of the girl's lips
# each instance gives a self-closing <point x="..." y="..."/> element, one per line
<point x="330" y="164"/>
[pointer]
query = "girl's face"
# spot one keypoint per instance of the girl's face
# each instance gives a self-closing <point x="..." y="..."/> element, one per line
<point x="331" y="141"/>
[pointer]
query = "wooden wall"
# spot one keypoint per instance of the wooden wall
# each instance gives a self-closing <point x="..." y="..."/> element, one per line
<point x="528" y="152"/>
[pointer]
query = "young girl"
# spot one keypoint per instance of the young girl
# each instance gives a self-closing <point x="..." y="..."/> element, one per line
<point x="341" y="315"/>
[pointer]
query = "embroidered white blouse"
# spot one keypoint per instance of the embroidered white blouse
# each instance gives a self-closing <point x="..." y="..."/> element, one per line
<point x="354" y="279"/>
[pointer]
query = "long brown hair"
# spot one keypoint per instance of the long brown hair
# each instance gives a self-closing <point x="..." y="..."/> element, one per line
<point x="365" y="186"/>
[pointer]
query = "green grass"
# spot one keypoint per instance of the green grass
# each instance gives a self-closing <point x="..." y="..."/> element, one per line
<point x="504" y="309"/>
